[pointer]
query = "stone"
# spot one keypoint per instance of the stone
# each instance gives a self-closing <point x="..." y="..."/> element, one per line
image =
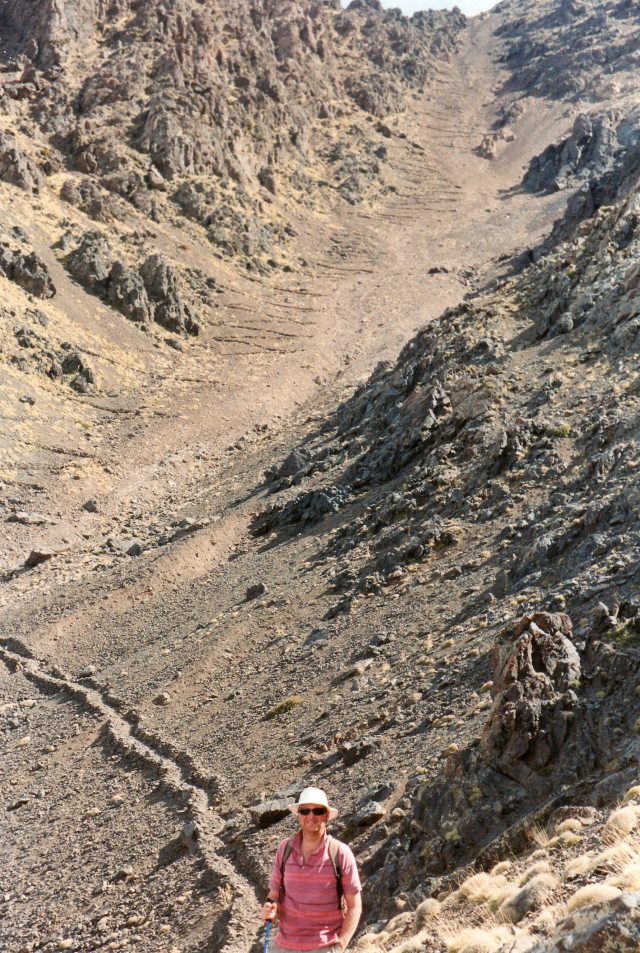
<point x="370" y="813"/>
<point x="91" y="506"/>
<point x="353" y="751"/>
<point x="38" y="556"/>
<point x="255" y="591"/>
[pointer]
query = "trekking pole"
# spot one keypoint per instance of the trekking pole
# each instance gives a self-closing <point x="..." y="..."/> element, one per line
<point x="267" y="934"/>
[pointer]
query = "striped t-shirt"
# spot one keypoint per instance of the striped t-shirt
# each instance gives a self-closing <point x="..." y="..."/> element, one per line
<point x="309" y="915"/>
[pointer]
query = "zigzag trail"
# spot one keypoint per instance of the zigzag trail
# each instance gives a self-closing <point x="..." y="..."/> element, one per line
<point x="234" y="891"/>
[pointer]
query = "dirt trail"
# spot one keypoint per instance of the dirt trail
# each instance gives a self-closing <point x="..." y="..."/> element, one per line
<point x="299" y="348"/>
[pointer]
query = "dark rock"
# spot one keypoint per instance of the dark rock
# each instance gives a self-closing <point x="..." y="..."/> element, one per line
<point x="127" y="293"/>
<point x="535" y="670"/>
<point x="91" y="506"/>
<point x="253" y="592"/>
<point x="91" y="262"/>
<point x="38" y="556"/>
<point x="370" y="813"/>
<point x="16" y="167"/>
<point x="353" y="751"/>
<point x="28" y="271"/>
<point x="162" y="286"/>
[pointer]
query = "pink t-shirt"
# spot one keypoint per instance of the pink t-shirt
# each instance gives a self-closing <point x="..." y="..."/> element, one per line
<point x="309" y="915"/>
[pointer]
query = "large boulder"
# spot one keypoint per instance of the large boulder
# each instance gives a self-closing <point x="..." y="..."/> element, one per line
<point x="163" y="289"/>
<point x="127" y="293"/>
<point x="91" y="262"/>
<point x="535" y="670"/>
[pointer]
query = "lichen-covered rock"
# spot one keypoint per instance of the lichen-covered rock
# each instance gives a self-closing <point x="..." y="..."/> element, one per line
<point x="611" y="927"/>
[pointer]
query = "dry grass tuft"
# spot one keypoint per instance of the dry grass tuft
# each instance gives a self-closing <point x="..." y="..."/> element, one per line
<point x="627" y="879"/>
<point x="542" y="867"/>
<point x="426" y="911"/>
<point x="476" y="889"/>
<point x="529" y="897"/>
<point x="477" y="940"/>
<point x="399" y="922"/>
<point x="540" y="836"/>
<point x="413" y="944"/>
<point x="579" y="866"/>
<point x="592" y="894"/>
<point x="571" y="824"/>
<point x="613" y="859"/>
<point x="501" y="868"/>
<point x="633" y="794"/>
<point x="620" y="824"/>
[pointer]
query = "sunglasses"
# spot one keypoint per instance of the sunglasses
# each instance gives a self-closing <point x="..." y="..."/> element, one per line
<point x="318" y="811"/>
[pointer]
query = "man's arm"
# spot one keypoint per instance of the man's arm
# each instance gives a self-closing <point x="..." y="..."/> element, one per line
<point x="351" y="918"/>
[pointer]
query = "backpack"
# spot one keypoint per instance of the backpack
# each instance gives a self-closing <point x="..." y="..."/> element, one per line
<point x="335" y="862"/>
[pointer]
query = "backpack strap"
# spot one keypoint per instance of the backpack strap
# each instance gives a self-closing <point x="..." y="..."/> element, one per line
<point x="335" y="861"/>
<point x="286" y="853"/>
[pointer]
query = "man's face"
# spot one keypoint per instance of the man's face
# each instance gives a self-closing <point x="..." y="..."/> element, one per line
<point x="312" y="818"/>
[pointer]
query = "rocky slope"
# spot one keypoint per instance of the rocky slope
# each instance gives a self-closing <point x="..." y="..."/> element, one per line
<point x="420" y="591"/>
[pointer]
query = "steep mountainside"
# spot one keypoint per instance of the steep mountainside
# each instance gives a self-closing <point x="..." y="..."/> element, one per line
<point x="321" y="391"/>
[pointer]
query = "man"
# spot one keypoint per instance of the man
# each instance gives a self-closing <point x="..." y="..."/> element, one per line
<point x="314" y="889"/>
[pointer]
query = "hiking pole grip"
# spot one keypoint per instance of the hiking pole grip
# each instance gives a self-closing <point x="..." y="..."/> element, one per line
<point x="267" y="934"/>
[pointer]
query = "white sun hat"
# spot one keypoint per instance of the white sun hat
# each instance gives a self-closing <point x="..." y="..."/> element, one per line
<point x="314" y="796"/>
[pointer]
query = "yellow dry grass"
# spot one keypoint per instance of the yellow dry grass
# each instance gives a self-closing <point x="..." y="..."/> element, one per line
<point x="627" y="879"/>
<point x="571" y="824"/>
<point x="620" y="824"/>
<point x="476" y="939"/>
<point x="542" y="867"/>
<point x="591" y="895"/>
<point x="427" y="910"/>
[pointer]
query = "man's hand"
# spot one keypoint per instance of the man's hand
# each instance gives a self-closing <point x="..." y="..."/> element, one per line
<point x="270" y="910"/>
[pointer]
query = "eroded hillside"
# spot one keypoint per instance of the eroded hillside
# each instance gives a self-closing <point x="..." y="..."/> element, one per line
<point x="282" y="553"/>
